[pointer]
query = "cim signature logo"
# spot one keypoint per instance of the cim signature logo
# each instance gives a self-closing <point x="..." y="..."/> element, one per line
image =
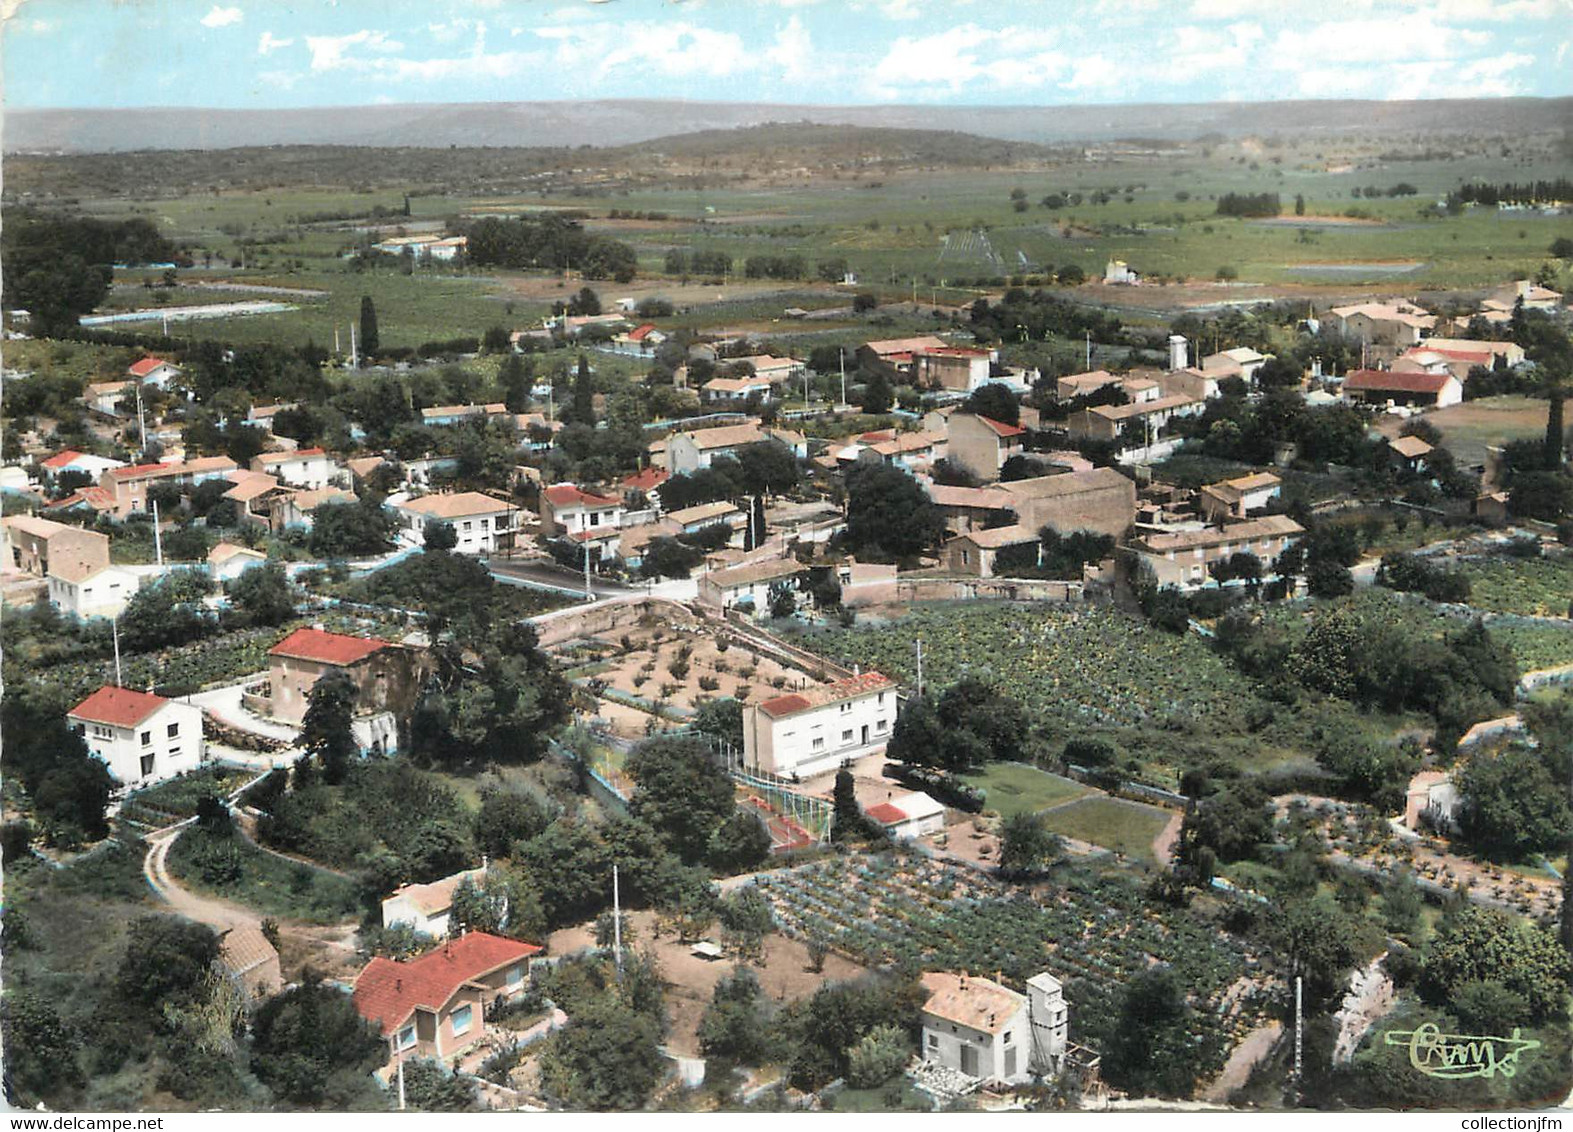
<point x="1455" y="1056"/>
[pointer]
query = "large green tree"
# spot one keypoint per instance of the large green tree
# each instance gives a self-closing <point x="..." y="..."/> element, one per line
<point x="683" y="793"/>
<point x="606" y="1059"/>
<point x="370" y="339"/>
<point x="889" y="512"/>
<point x="1475" y="944"/>
<point x="326" y="732"/>
<point x="313" y="1047"/>
<point x="1511" y="806"/>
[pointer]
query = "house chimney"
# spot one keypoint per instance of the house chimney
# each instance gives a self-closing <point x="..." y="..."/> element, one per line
<point x="398" y="986"/>
<point x="1177" y="352"/>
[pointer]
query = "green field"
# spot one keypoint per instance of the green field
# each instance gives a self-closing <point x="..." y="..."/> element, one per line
<point x="931" y="234"/>
<point x="1537" y="646"/>
<point x="1128" y="828"/>
<point x="1541" y="587"/>
<point x="1015" y="788"/>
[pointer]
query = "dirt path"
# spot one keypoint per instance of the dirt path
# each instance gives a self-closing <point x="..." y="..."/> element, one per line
<point x="330" y="948"/>
<point x="1242" y="1059"/>
<point x="1168" y="837"/>
<point x="220" y="915"/>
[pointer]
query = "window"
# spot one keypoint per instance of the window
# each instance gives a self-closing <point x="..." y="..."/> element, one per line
<point x="147" y="765"/>
<point x="516" y="973"/>
<point x="462" y="1018"/>
<point x="595" y="518"/>
<point x="173" y="730"/>
<point x="846" y="736"/>
<point x="846" y="707"/>
<point x="879" y="726"/>
<point x="1008" y="1037"/>
<point x="880" y="699"/>
<point x="933" y="1041"/>
<point x="407" y="1037"/>
<point x="486" y="524"/>
<point x="466" y="526"/>
<point x="818" y="744"/>
<point x="147" y="738"/>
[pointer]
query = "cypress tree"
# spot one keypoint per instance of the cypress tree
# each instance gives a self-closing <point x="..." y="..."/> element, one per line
<point x="1554" y="428"/>
<point x="368" y="327"/>
<point x="583" y="395"/>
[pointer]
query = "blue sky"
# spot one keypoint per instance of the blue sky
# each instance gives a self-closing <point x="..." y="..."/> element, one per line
<point x="278" y="53"/>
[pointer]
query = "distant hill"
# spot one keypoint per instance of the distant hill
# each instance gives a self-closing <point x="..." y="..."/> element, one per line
<point x="630" y="121"/>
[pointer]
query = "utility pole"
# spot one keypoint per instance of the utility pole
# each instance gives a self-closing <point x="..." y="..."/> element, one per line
<point x="841" y="353"/>
<point x="920" y="668"/>
<point x="114" y="624"/>
<point x="354" y="354"/>
<point x="1298" y="1018"/>
<point x="1089" y="350"/>
<point x="617" y="925"/>
<point x="141" y="417"/>
<point x="401" y="1082"/>
<point x="589" y="593"/>
<point x="158" y="540"/>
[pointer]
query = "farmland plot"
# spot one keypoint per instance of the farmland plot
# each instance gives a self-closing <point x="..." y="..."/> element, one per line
<point x="1093" y="667"/>
<point x="1094" y="933"/>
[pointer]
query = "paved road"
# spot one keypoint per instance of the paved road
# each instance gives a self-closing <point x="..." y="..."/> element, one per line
<point x="555" y="577"/>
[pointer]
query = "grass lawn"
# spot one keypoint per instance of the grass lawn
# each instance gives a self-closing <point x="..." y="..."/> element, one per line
<point x="1126" y="827"/>
<point x="233" y="869"/>
<point x="1015" y="788"/>
<point x="878" y="1100"/>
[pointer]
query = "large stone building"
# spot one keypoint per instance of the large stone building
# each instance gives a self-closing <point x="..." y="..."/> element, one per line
<point x="387" y="679"/>
<point x="1101" y="500"/>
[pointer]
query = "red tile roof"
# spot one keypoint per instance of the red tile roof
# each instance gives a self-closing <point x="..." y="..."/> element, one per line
<point x="136" y="471"/>
<point x="1002" y="429"/>
<point x="147" y="366"/>
<point x="639" y="334"/>
<point x="647" y="479"/>
<point x="119" y="707"/>
<point x="61" y="459"/>
<point x="566" y="495"/>
<point x="387" y="992"/>
<point x="327" y="648"/>
<point x="298" y="454"/>
<point x="1384" y="380"/>
<point x="887" y="814"/>
<point x="820" y="695"/>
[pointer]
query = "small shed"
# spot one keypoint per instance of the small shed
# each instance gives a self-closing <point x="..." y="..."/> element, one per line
<point x="252" y="961"/>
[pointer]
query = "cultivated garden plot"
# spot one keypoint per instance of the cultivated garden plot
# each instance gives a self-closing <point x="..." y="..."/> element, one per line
<point x="177" y="799"/>
<point x="1094" y="933"/>
<point x="658" y="669"/>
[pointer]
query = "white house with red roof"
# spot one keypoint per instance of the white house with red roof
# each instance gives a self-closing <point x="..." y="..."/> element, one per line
<point x="909" y="815"/>
<point x="434" y="1006"/>
<point x="818" y="728"/>
<point x="310" y="468"/>
<point x="981" y="444"/>
<point x="153" y="371"/>
<point x="567" y="509"/>
<point x="646" y="483"/>
<point x="71" y="460"/>
<point x="140" y="737"/>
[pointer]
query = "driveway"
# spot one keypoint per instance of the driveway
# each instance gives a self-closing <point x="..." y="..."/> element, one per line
<point x="224" y="703"/>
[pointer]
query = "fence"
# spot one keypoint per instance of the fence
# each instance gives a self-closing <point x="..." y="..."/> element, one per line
<point x="803" y="817"/>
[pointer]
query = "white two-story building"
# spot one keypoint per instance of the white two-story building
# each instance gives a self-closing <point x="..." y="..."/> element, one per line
<point x="311" y="468"/>
<point x="483" y="525"/>
<point x="140" y="737"/>
<point x="993" y="1033"/>
<point x="815" y="730"/>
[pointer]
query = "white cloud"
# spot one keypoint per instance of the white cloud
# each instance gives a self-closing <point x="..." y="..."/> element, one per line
<point x="1491" y="76"/>
<point x="1371" y="40"/>
<point x="269" y="43"/>
<point x="222" y="17"/>
<point x="331" y="52"/>
<point x="1095" y="73"/>
<point x="792" y="51"/>
<point x="968" y="56"/>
